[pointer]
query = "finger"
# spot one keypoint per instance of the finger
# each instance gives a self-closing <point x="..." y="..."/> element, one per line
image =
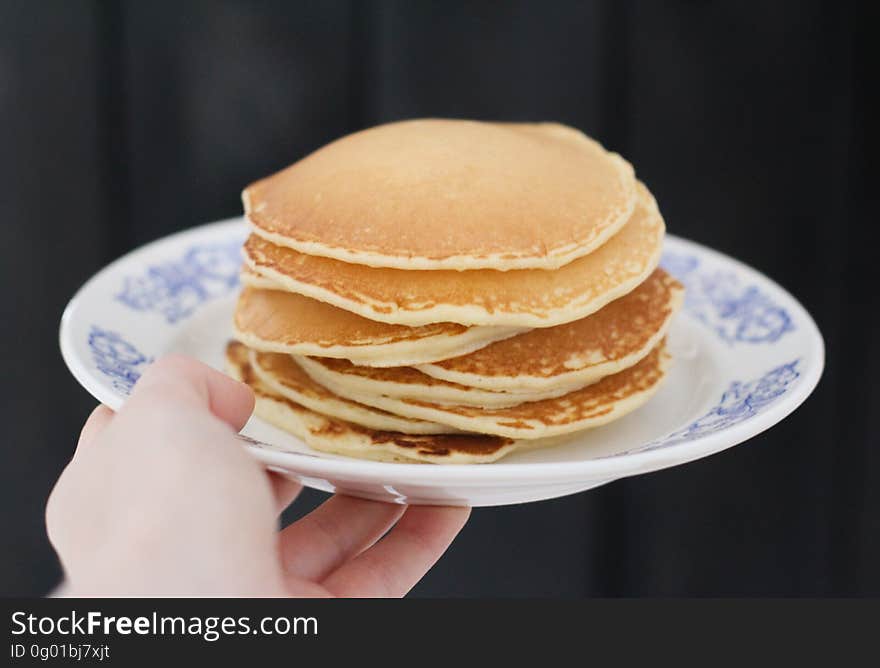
<point x="284" y="489"/>
<point x="333" y="533"/>
<point x="95" y="424"/>
<point x="398" y="562"/>
<point x="189" y="382"/>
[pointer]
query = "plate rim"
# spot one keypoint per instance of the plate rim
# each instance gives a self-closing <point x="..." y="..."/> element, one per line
<point x="470" y="475"/>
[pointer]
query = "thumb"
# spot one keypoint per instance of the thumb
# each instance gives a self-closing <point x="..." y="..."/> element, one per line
<point x="192" y="384"/>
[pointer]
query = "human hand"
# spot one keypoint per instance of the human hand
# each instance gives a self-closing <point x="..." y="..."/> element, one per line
<point x="162" y="499"/>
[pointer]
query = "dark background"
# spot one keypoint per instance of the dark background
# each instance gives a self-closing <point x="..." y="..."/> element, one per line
<point x="123" y="122"/>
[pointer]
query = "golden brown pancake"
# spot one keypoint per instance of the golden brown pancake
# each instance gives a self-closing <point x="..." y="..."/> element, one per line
<point x="251" y="279"/>
<point x="448" y="194"/>
<point x="591" y="406"/>
<point x="283" y="376"/>
<point x="524" y="298"/>
<point x="277" y="321"/>
<point x="410" y="383"/>
<point x="575" y="354"/>
<point x="541" y="364"/>
<point x="336" y="436"/>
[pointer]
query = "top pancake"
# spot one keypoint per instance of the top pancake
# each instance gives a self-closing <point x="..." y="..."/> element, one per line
<point x="448" y="194"/>
<point x="522" y="298"/>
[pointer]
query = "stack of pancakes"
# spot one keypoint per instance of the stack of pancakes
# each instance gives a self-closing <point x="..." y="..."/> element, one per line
<point x="450" y="291"/>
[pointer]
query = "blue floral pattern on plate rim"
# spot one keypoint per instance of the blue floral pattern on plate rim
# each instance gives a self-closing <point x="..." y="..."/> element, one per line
<point x="739" y="402"/>
<point x="175" y="289"/>
<point x="738" y="313"/>
<point x="116" y="358"/>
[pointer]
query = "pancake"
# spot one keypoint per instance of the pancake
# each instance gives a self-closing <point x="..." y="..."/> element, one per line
<point x="575" y="354"/>
<point x="448" y="194"/>
<point x="591" y="406"/>
<point x="286" y="378"/>
<point x="328" y="434"/>
<point x="284" y="322"/>
<point x="540" y="364"/>
<point x="249" y="278"/>
<point x="409" y="383"/>
<point x="525" y="298"/>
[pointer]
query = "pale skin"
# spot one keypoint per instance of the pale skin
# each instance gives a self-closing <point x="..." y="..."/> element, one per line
<point x="161" y="500"/>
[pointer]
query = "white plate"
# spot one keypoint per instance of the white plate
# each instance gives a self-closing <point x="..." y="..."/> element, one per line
<point x="746" y="354"/>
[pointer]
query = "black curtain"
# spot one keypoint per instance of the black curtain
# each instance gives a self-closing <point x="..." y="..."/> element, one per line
<point x="121" y="122"/>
